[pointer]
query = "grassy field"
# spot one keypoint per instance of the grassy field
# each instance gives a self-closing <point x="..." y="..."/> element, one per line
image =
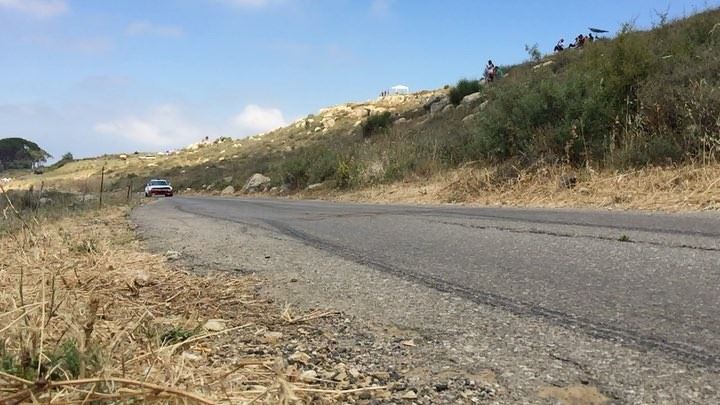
<point x="642" y="102"/>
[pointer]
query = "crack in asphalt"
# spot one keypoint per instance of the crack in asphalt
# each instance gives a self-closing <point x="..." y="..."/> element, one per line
<point x="572" y="235"/>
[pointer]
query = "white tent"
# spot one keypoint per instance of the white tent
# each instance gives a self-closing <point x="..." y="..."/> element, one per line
<point x="400" y="89"/>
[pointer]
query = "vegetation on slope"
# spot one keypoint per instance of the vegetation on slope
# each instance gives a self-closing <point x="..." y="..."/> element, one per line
<point x="642" y="98"/>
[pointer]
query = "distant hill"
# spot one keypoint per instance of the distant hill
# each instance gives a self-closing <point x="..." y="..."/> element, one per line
<point x="19" y="153"/>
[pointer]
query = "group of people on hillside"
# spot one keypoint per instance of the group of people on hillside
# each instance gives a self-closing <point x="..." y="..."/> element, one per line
<point x="491" y="72"/>
<point x="580" y="41"/>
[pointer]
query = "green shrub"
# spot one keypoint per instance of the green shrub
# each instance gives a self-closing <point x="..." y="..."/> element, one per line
<point x="376" y="123"/>
<point x="463" y="88"/>
<point x="175" y="335"/>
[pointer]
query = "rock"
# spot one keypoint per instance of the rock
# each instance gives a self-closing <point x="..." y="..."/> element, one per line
<point x="308" y="376"/>
<point x="439" y="387"/>
<point x="256" y="182"/>
<point x="45" y="200"/>
<point x="439" y="105"/>
<point x="471" y="98"/>
<point x="299" y="357"/>
<point x="484" y="105"/>
<point x="214" y="325"/>
<point x="409" y="343"/>
<point x="229" y="190"/>
<point x="191" y="356"/>
<point x="448" y="108"/>
<point x="361" y="112"/>
<point x="123" y="157"/>
<point x="409" y="395"/>
<point x="172" y="255"/>
<point x="583" y="190"/>
<point x="328" y="122"/>
<point x="432" y="100"/>
<point x="469" y="118"/>
<point x="542" y="65"/>
<point x="272" y="337"/>
<point x="401" y="120"/>
<point x="315" y="186"/>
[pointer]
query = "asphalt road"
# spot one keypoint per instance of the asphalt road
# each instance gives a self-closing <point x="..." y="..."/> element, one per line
<point x="650" y="281"/>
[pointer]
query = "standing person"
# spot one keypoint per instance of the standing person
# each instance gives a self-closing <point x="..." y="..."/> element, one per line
<point x="490" y="71"/>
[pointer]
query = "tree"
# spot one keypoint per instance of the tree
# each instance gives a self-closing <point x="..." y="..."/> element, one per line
<point x="19" y="153"/>
<point x="534" y="52"/>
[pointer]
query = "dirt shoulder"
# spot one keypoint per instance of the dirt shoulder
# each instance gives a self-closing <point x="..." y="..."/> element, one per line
<point x="436" y="346"/>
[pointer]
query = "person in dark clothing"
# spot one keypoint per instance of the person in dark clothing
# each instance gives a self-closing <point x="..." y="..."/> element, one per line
<point x="560" y="45"/>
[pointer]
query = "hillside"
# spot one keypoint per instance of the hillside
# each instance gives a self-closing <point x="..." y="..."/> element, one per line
<point x="623" y="122"/>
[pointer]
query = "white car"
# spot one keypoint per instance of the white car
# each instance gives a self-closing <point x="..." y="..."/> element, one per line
<point x="158" y="187"/>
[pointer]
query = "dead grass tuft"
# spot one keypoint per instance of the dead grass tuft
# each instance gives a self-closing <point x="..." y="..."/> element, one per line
<point x="87" y="316"/>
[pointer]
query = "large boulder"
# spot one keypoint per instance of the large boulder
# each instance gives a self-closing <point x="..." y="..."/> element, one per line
<point x="439" y="105"/>
<point x="471" y="98"/>
<point x="361" y="112"/>
<point x="256" y="183"/>
<point x="229" y="190"/>
<point x="432" y="100"/>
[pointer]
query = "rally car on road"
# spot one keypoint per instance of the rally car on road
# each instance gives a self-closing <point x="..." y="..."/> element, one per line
<point x="158" y="187"/>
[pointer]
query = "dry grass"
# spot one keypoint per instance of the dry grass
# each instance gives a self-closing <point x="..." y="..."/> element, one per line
<point x="685" y="188"/>
<point x="87" y="316"/>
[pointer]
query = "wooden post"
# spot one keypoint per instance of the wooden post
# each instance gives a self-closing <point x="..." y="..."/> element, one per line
<point x="129" y="193"/>
<point x="102" y="183"/>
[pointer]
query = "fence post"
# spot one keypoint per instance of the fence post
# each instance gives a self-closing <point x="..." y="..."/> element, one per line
<point x="102" y="183"/>
<point x="129" y="192"/>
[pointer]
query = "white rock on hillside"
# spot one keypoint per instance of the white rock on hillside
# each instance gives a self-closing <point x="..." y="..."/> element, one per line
<point x="229" y="190"/>
<point x="471" y="98"/>
<point x="256" y="182"/>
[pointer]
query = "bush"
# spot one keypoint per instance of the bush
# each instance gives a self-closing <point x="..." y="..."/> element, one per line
<point x="463" y="88"/>
<point x="376" y="123"/>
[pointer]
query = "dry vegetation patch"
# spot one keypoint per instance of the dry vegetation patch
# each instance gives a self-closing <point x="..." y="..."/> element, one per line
<point x="87" y="315"/>
<point x="685" y="188"/>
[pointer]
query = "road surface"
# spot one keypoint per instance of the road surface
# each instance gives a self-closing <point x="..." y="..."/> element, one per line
<point x="649" y="281"/>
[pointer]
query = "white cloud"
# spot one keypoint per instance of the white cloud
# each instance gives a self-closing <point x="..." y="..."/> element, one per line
<point x="253" y="119"/>
<point x="164" y="127"/>
<point x="37" y="8"/>
<point x="138" y="28"/>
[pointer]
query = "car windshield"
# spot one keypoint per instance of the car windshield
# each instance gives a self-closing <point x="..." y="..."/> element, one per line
<point x="159" y="183"/>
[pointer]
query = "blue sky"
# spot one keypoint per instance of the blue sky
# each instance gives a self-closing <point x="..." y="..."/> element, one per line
<point x="102" y="76"/>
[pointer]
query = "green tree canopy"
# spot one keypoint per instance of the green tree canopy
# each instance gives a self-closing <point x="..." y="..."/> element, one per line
<point x="19" y="153"/>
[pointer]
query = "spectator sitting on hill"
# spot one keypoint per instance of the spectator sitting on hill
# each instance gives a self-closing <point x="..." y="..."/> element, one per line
<point x="560" y="45"/>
